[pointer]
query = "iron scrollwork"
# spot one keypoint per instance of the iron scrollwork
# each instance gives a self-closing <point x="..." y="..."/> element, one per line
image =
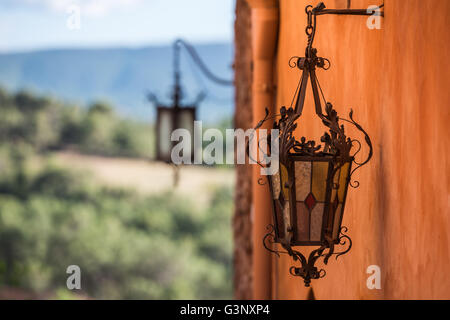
<point x="308" y="271"/>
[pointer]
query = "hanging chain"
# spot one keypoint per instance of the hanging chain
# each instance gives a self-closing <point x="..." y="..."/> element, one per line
<point x="310" y="28"/>
<point x="311" y="25"/>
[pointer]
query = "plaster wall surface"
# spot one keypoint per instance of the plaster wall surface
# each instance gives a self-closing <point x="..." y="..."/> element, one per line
<point x="397" y="81"/>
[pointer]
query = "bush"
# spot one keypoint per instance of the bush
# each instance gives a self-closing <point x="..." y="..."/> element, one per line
<point x="128" y="246"/>
<point x="46" y="124"/>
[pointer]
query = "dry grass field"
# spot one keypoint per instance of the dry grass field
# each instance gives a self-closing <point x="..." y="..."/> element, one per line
<point x="149" y="177"/>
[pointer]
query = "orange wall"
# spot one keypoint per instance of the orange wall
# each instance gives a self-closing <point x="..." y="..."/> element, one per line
<point x="397" y="81"/>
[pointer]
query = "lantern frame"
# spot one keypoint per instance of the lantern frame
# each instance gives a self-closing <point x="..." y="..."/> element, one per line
<point x="336" y="151"/>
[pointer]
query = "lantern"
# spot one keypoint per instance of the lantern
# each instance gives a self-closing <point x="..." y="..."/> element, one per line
<point x="169" y="119"/>
<point x="310" y="189"/>
<point x="176" y="115"/>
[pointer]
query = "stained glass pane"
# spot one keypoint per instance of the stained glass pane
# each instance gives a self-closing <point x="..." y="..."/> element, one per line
<point x="337" y="219"/>
<point x="165" y="129"/>
<point x="310" y="202"/>
<point x="302" y="222"/>
<point x="316" y="222"/>
<point x="319" y="180"/>
<point x="284" y="181"/>
<point x="276" y="185"/>
<point x="343" y="181"/>
<point x="186" y="121"/>
<point x="302" y="179"/>
<point x="286" y="217"/>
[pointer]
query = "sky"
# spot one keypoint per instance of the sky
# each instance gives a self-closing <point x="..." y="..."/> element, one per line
<point x="27" y="25"/>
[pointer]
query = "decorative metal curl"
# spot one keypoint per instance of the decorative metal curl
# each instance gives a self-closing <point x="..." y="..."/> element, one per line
<point x="308" y="271"/>
<point x="358" y="150"/>
<point x="270" y="237"/>
<point x="293" y="64"/>
<point x="355" y="183"/>
<point x="262" y="182"/>
<point x="343" y="238"/>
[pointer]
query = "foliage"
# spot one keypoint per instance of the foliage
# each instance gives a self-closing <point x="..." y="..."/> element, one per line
<point x="128" y="246"/>
<point x="46" y="124"/>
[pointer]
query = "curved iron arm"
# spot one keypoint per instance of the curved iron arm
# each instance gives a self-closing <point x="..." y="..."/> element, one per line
<point x="355" y="184"/>
<point x="198" y="61"/>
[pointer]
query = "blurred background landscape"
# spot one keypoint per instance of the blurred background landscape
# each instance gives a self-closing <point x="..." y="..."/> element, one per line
<point x="78" y="183"/>
<point x="122" y="76"/>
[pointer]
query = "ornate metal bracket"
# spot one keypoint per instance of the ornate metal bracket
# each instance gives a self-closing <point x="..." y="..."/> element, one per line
<point x="308" y="270"/>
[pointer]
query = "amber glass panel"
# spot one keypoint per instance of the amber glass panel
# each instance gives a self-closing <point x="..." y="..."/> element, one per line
<point x="316" y="222"/>
<point x="319" y="180"/>
<point x="276" y="186"/>
<point x="343" y="181"/>
<point x="165" y="130"/>
<point x="302" y="179"/>
<point x="334" y="187"/>
<point x="284" y="181"/>
<point x="286" y="217"/>
<point x="337" y="219"/>
<point x="302" y="222"/>
<point x="186" y="120"/>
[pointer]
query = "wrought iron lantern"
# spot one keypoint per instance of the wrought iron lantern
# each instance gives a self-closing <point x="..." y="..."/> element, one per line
<point x="174" y="116"/>
<point x="310" y="189"/>
<point x="178" y="115"/>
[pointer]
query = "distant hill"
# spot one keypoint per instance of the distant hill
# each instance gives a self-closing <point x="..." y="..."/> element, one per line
<point x="121" y="76"/>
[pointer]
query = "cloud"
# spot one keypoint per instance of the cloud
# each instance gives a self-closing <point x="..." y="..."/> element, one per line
<point x="87" y="7"/>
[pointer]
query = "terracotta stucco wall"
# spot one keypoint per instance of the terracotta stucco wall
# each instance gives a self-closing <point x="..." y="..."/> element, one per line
<point x="397" y="81"/>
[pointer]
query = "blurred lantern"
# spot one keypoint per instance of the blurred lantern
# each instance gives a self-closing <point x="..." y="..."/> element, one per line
<point x="174" y="116"/>
<point x="178" y="115"/>
<point x="309" y="190"/>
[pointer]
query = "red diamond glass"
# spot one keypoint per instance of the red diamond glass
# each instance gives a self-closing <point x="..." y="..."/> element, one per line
<point x="310" y="202"/>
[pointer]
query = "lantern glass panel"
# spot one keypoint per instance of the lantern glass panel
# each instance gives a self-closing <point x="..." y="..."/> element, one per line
<point x="343" y="181"/>
<point x="303" y="217"/>
<point x="186" y="118"/>
<point x="302" y="179"/>
<point x="286" y="217"/>
<point x="319" y="180"/>
<point x="312" y="199"/>
<point x="312" y="193"/>
<point x="335" y="186"/>
<point x="276" y="185"/>
<point x="284" y="181"/>
<point x="316" y="222"/>
<point x="165" y="127"/>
